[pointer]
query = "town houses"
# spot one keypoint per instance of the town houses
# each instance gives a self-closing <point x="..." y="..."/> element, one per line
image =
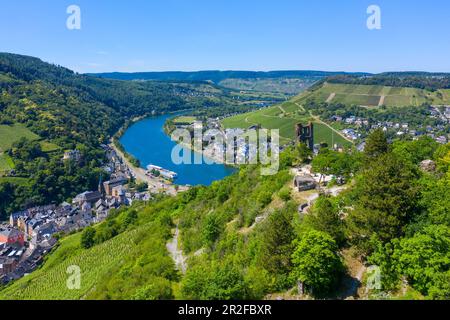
<point x="31" y="233"/>
<point x="357" y="128"/>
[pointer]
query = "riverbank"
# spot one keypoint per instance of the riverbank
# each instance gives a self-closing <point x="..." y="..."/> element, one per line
<point x="155" y="185"/>
<point x="218" y="159"/>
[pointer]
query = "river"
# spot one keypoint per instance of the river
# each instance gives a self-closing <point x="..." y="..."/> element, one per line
<point x="146" y="141"/>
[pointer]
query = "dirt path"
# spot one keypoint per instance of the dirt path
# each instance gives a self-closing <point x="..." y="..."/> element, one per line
<point x="317" y="119"/>
<point x="331" y="97"/>
<point x="381" y="101"/>
<point x="176" y="253"/>
<point x="351" y="283"/>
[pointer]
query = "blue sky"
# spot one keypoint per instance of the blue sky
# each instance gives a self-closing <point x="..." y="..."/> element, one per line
<point x="160" y="35"/>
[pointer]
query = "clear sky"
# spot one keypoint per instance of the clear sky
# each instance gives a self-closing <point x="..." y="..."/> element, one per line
<point x="161" y="35"/>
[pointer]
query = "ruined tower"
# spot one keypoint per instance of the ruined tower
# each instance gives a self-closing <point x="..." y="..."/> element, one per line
<point x="305" y="134"/>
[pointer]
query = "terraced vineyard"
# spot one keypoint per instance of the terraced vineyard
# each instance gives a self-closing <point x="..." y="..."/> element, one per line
<point x="50" y="282"/>
<point x="373" y="95"/>
<point x="284" y="117"/>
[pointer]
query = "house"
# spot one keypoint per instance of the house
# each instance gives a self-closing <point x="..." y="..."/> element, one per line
<point x="32" y="225"/>
<point x="72" y="155"/>
<point x="90" y="197"/>
<point x="304" y="183"/>
<point x="12" y="236"/>
<point x="441" y="139"/>
<point x="14" y="218"/>
<point x="46" y="230"/>
<point x="100" y="206"/>
<point x="119" y="194"/>
<point x="109" y="185"/>
<point x="7" y="265"/>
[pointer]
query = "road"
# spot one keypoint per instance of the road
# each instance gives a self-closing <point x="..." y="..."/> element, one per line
<point x="155" y="184"/>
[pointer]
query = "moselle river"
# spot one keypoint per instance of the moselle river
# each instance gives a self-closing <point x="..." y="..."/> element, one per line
<point x="146" y="141"/>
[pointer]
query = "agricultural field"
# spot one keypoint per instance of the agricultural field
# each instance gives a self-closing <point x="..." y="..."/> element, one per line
<point x="49" y="147"/>
<point x="14" y="180"/>
<point x="10" y="134"/>
<point x="284" y="117"/>
<point x="375" y="95"/>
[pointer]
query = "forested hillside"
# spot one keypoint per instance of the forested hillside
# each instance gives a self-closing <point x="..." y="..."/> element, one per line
<point x="421" y="80"/>
<point x="286" y="82"/>
<point x="57" y="110"/>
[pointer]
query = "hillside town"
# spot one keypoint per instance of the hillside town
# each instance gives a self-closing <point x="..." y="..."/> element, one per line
<point x="356" y="128"/>
<point x="30" y="234"/>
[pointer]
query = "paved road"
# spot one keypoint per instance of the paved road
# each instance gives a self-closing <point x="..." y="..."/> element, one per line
<point x="155" y="184"/>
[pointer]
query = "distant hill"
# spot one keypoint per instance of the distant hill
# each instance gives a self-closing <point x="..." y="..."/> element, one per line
<point x="218" y="76"/>
<point x="419" y="80"/>
<point x="289" y="82"/>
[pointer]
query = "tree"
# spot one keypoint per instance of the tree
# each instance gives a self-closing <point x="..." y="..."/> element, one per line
<point x="386" y="200"/>
<point x="211" y="229"/>
<point x="285" y="194"/>
<point x="425" y="259"/>
<point x="303" y="153"/>
<point x="213" y="281"/>
<point x="277" y="235"/>
<point x="87" y="238"/>
<point x="416" y="151"/>
<point x="376" y="144"/>
<point x="158" y="289"/>
<point x="316" y="263"/>
<point x="323" y="163"/>
<point x="226" y="282"/>
<point x="141" y="187"/>
<point x="325" y="217"/>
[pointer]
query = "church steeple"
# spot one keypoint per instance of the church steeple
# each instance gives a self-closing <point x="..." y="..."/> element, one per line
<point x="100" y="185"/>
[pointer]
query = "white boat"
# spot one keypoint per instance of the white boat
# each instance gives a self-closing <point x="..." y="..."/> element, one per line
<point x="164" y="172"/>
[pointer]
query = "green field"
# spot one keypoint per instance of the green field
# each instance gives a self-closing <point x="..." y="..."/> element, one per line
<point x="283" y="117"/>
<point x="6" y="163"/>
<point x="14" y="180"/>
<point x="49" y="147"/>
<point x="184" y="119"/>
<point x="11" y="134"/>
<point x="373" y="95"/>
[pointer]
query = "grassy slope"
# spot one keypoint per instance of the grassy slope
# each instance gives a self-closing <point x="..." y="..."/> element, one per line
<point x="284" y="118"/>
<point x="11" y="134"/>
